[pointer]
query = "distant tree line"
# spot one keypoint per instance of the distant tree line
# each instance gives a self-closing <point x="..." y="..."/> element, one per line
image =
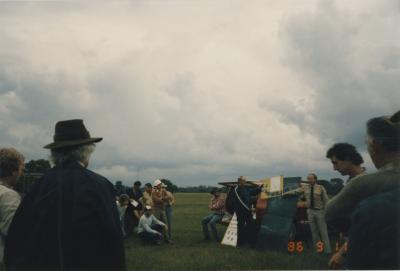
<point x="196" y="189"/>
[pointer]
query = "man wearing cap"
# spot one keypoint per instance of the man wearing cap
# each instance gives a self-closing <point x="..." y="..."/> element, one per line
<point x="160" y="199"/>
<point x="158" y="196"/>
<point x="69" y="220"/>
<point x="150" y="228"/>
<point x="217" y="207"/>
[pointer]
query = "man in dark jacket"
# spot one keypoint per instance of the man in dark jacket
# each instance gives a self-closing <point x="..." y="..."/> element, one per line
<point x="242" y="206"/>
<point x="69" y="220"/>
<point x="374" y="237"/>
<point x="136" y="194"/>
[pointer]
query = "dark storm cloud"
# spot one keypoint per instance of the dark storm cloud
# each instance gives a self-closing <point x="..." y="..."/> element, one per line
<point x="194" y="91"/>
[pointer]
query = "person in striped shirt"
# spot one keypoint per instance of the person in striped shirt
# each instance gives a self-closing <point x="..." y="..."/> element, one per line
<point x="217" y="207"/>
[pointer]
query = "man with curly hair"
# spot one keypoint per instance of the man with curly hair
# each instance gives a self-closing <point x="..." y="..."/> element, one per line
<point x="11" y="168"/>
<point x="347" y="161"/>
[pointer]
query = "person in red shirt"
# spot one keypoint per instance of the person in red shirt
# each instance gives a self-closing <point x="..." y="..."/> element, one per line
<point x="217" y="207"/>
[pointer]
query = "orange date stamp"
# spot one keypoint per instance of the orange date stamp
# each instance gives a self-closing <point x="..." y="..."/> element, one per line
<point x="319" y="246"/>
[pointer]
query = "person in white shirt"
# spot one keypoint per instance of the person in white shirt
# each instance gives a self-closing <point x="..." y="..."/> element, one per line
<point x="11" y="168"/>
<point x="122" y="205"/>
<point x="150" y="228"/>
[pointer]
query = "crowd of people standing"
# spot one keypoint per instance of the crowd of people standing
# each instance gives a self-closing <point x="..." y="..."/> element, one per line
<point x="155" y="202"/>
<point x="70" y="219"/>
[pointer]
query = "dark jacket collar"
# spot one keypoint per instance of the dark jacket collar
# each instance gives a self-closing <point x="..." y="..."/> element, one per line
<point x="70" y="164"/>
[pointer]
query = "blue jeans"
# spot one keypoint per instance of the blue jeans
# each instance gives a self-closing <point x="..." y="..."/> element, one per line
<point x="168" y="213"/>
<point x="211" y="219"/>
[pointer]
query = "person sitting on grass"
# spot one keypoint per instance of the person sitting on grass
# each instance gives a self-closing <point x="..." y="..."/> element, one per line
<point x="150" y="228"/>
<point x="129" y="212"/>
<point x="217" y="206"/>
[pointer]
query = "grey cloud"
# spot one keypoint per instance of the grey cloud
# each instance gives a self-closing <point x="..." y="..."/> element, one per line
<point x="181" y="93"/>
<point x="286" y="110"/>
<point x="351" y="66"/>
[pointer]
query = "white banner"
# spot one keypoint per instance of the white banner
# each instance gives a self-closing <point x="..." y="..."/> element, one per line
<point x="230" y="237"/>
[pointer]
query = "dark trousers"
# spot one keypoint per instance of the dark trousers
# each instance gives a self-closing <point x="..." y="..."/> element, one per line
<point x="150" y="237"/>
<point x="246" y="228"/>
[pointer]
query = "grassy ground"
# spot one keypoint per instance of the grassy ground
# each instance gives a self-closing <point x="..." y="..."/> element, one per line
<point x="190" y="252"/>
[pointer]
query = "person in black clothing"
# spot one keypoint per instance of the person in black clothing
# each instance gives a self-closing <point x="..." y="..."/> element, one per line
<point x="132" y="216"/>
<point x="129" y="214"/>
<point x="136" y="194"/>
<point x="69" y="220"/>
<point x="242" y="206"/>
<point x="119" y="188"/>
<point x="374" y="236"/>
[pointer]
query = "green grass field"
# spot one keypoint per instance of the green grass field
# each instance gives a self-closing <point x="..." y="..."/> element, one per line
<point x="190" y="252"/>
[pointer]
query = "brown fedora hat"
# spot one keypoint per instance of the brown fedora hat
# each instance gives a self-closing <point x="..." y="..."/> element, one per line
<point x="70" y="133"/>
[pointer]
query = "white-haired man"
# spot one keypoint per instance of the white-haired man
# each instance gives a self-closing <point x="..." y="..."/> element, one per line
<point x="69" y="220"/>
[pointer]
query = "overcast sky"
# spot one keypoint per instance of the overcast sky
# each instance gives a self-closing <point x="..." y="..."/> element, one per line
<point x="199" y="91"/>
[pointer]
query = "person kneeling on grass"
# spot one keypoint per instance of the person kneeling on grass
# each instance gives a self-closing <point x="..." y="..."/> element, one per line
<point x="150" y="228"/>
<point x="129" y="214"/>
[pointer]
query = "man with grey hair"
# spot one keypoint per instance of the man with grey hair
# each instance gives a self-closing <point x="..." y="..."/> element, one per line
<point x="69" y="220"/>
<point x="11" y="167"/>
